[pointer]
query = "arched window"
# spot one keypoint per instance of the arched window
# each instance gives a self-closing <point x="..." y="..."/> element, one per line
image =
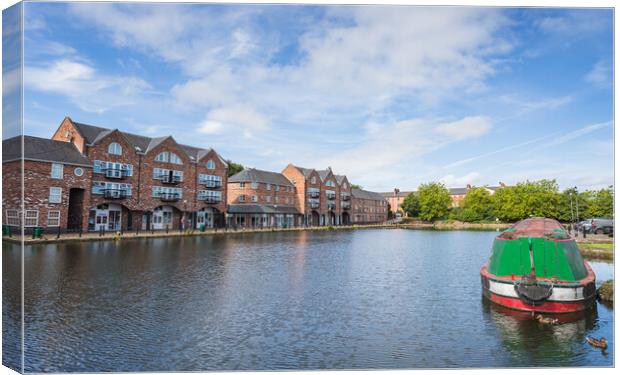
<point x="115" y="149"/>
<point x="163" y="157"/>
<point x="313" y="180"/>
<point x="175" y="159"/>
<point x="210" y="164"/>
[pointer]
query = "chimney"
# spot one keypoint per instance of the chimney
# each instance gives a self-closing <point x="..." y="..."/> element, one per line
<point x="502" y="184"/>
<point x="469" y="186"/>
<point x="396" y="191"/>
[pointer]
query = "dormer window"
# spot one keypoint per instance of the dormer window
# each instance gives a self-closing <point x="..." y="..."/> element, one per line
<point x="210" y="164"/>
<point x="115" y="149"/>
<point x="175" y="159"/>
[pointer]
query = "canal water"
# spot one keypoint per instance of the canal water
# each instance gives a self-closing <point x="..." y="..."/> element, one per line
<point x="359" y="299"/>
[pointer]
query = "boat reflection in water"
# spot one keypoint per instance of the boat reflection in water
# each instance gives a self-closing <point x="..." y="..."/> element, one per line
<point x="531" y="343"/>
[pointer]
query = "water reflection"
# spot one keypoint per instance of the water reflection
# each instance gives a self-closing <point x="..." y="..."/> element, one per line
<point x="363" y="299"/>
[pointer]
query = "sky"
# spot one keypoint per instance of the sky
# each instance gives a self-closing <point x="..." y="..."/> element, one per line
<point x="391" y="96"/>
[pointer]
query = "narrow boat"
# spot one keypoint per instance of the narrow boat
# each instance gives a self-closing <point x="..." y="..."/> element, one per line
<point x="536" y="266"/>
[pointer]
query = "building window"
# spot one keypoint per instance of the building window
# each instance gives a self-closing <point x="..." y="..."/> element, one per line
<point x="242" y="198"/>
<point x="268" y="198"/>
<point x="53" y="219"/>
<point x="175" y="159"/>
<point x="254" y="198"/>
<point x="210" y="164"/>
<point x="268" y="186"/>
<point x="277" y="187"/>
<point x="242" y="185"/>
<point x="313" y="180"/>
<point x="55" y="195"/>
<point x="78" y="172"/>
<point x="12" y="217"/>
<point x="115" y="149"/>
<point x="57" y="171"/>
<point x="254" y="185"/>
<point x="163" y="157"/>
<point x="31" y="219"/>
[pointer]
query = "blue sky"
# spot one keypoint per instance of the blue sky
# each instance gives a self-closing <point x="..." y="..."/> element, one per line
<point x="390" y="96"/>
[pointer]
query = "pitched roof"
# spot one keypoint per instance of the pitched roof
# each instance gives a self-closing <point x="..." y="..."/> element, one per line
<point x="458" y="191"/>
<point x="261" y="209"/>
<point x="399" y="194"/>
<point x="257" y="175"/>
<point x="340" y="178"/>
<point x="365" y="194"/>
<point x="93" y="134"/>
<point x="305" y="171"/>
<point x="324" y="173"/>
<point x="43" y="149"/>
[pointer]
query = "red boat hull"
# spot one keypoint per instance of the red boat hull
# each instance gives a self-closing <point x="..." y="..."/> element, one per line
<point x="565" y="298"/>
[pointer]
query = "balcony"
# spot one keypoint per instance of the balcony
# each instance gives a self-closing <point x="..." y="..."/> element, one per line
<point x="314" y="204"/>
<point x="331" y="206"/>
<point x="331" y="196"/>
<point x="314" y="194"/>
<point x="169" y="197"/>
<point x="212" y="184"/>
<point x="345" y="197"/>
<point x="168" y="179"/>
<point x="115" y="193"/>
<point x="210" y="200"/>
<point x="115" y="173"/>
<point x="345" y="206"/>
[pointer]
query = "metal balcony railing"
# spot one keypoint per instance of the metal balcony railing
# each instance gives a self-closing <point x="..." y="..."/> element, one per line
<point x="208" y="199"/>
<point x="168" y="179"/>
<point x="212" y="184"/>
<point x="115" y="193"/>
<point x="169" y="197"/>
<point x="314" y="194"/>
<point x="345" y="205"/>
<point x="331" y="196"/>
<point x="331" y="206"/>
<point x="115" y="173"/>
<point x="345" y="197"/>
<point x="314" y="204"/>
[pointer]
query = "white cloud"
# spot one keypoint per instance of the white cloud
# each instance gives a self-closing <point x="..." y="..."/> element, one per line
<point x="472" y="178"/>
<point x="11" y="81"/>
<point x="234" y="120"/>
<point x="82" y="84"/>
<point x="600" y="74"/>
<point x="469" y="127"/>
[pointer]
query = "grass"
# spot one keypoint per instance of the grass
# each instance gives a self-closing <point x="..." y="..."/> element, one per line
<point x="597" y="250"/>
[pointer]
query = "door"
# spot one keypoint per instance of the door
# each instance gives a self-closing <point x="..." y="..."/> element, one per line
<point x="101" y="220"/>
<point x="200" y="219"/>
<point x="114" y="220"/>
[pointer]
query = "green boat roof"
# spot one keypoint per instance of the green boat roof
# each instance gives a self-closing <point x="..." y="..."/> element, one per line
<point x="554" y="252"/>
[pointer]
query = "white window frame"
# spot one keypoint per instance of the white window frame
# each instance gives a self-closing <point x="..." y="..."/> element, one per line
<point x="53" y="220"/>
<point x="242" y="198"/>
<point x="58" y="171"/>
<point x="254" y="198"/>
<point x="210" y="164"/>
<point x="115" y="148"/>
<point x="162" y="157"/>
<point x="242" y="185"/>
<point x="78" y="171"/>
<point x="254" y="185"/>
<point x="31" y="218"/>
<point x="51" y="194"/>
<point x="175" y="159"/>
<point x="12" y="218"/>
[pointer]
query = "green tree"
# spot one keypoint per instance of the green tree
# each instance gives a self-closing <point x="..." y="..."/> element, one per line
<point x="434" y="201"/>
<point x="477" y="205"/>
<point x="528" y="199"/>
<point x="234" y="168"/>
<point x="411" y="204"/>
<point x="600" y="203"/>
<point x="356" y="186"/>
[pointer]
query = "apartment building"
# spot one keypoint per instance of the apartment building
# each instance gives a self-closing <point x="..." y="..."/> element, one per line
<point x="113" y="180"/>
<point x="323" y="198"/>
<point x="368" y="207"/>
<point x="262" y="199"/>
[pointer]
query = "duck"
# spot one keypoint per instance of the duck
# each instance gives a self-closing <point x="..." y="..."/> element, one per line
<point x="599" y="343"/>
<point x="546" y="319"/>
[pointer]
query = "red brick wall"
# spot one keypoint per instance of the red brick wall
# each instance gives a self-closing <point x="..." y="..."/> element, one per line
<point x="221" y="169"/>
<point x="285" y="198"/>
<point x="297" y="178"/>
<point x="37" y="180"/>
<point x="67" y="132"/>
<point x="368" y="210"/>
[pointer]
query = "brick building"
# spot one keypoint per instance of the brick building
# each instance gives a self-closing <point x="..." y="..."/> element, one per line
<point x="258" y="198"/>
<point x="128" y="181"/>
<point x="323" y="198"/>
<point x="368" y="207"/>
<point x="57" y="180"/>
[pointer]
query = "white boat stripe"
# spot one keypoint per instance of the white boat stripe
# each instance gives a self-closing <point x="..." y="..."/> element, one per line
<point x="563" y="294"/>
